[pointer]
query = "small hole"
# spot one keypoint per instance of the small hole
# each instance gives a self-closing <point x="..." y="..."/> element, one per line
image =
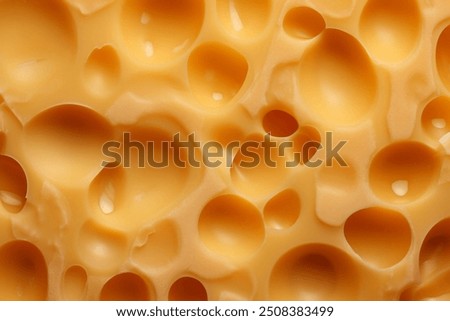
<point x="436" y="117"/>
<point x="102" y="71"/>
<point x="159" y="246"/>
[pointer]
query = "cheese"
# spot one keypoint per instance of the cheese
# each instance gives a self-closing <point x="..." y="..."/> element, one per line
<point x="224" y="150"/>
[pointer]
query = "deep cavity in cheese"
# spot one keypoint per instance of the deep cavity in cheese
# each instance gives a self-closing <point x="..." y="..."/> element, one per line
<point x="76" y="74"/>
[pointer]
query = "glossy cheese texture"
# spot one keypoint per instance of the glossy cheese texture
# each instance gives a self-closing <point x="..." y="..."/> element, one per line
<point x="366" y="83"/>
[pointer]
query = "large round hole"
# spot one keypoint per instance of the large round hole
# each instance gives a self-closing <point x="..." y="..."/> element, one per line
<point x="13" y="184"/>
<point x="160" y="248"/>
<point x="125" y="287"/>
<point x="337" y="79"/>
<point x="391" y="29"/>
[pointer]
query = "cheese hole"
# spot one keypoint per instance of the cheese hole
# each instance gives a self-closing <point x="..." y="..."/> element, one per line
<point x="125" y="287"/>
<point x="159" y="246"/>
<point x="244" y="18"/>
<point x="253" y="171"/>
<point x="106" y="201"/>
<point x="23" y="272"/>
<point x="101" y="248"/>
<point x="439" y="123"/>
<point x="336" y="8"/>
<point x="237" y="286"/>
<point x="403" y="171"/>
<point x="64" y="143"/>
<point x="303" y="23"/>
<point x="435" y="250"/>
<point x="231" y="226"/>
<point x="149" y="49"/>
<point x="30" y="62"/>
<point x="391" y="29"/>
<point x="435" y="289"/>
<point x="105" y="191"/>
<point x="145" y="18"/>
<point x="13" y="184"/>
<point x="146" y="24"/>
<point x="436" y="117"/>
<point x="152" y="182"/>
<point x="379" y="236"/>
<point x="333" y="57"/>
<point x="313" y="272"/>
<point x="282" y="210"/>
<point x="307" y="142"/>
<point x="74" y="285"/>
<point x="216" y="71"/>
<point x="217" y="96"/>
<point x="279" y="123"/>
<point x="187" y="289"/>
<point x="434" y="264"/>
<point x="443" y="57"/>
<point x="400" y="187"/>
<point x="102" y="71"/>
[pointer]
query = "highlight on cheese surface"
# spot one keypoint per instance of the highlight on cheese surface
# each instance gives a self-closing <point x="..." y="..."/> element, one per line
<point x="224" y="150"/>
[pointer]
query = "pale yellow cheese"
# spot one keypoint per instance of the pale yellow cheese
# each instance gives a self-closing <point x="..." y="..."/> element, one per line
<point x="372" y="75"/>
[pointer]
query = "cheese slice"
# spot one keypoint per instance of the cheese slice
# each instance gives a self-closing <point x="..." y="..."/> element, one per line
<point x="224" y="150"/>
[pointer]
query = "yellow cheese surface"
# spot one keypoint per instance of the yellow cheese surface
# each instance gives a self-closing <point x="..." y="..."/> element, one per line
<point x="76" y="75"/>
